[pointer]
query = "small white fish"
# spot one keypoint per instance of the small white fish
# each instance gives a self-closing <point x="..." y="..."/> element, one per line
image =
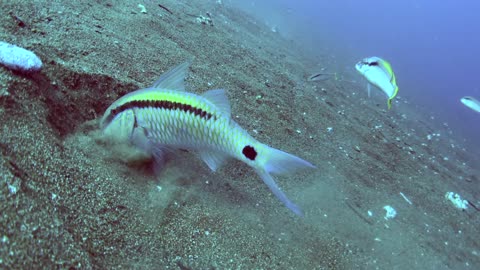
<point x="471" y="103"/>
<point x="379" y="73"/>
<point x="165" y="116"/>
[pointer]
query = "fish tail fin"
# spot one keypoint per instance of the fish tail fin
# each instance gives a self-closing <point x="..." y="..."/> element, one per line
<point x="395" y="92"/>
<point x="389" y="103"/>
<point x="279" y="162"/>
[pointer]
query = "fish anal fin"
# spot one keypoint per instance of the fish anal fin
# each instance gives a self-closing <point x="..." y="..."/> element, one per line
<point x="213" y="159"/>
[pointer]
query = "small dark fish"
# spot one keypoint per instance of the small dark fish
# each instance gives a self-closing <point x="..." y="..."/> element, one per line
<point x="165" y="8"/>
<point x="320" y="77"/>
<point x="473" y="205"/>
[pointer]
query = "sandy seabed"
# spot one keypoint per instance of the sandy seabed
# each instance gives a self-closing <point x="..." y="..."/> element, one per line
<point x="67" y="201"/>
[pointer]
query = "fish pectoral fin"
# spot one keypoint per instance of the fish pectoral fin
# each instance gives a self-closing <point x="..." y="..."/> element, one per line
<point x="143" y="140"/>
<point x="140" y="139"/>
<point x="213" y="159"/>
<point x="159" y="153"/>
<point x="219" y="98"/>
<point x="140" y="135"/>
<point x="173" y="79"/>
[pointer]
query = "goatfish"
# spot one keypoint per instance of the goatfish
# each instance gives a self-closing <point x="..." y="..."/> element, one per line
<point x="379" y="73"/>
<point x="471" y="103"/>
<point x="165" y="117"/>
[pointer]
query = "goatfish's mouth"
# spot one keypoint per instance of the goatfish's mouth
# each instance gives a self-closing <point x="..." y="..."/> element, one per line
<point x="358" y="66"/>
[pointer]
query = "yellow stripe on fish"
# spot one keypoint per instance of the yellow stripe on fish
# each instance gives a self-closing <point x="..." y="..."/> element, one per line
<point x="165" y="116"/>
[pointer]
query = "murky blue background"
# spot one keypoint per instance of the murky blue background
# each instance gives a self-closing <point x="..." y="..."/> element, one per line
<point x="433" y="46"/>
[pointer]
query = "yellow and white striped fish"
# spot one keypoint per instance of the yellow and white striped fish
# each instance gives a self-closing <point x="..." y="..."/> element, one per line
<point x="379" y="73"/>
<point x="471" y="103"/>
<point x="165" y="116"/>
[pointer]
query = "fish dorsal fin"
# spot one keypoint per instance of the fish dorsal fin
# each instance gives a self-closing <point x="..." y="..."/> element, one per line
<point x="213" y="159"/>
<point x="174" y="79"/>
<point x="219" y="98"/>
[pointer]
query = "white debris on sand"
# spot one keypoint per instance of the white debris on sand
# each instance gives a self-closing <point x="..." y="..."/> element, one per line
<point x="19" y="59"/>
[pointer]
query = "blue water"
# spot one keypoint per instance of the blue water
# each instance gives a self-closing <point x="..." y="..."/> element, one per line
<point x="432" y="46"/>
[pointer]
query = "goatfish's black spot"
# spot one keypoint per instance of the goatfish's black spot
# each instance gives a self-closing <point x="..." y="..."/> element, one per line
<point x="249" y="152"/>
<point x="373" y="64"/>
<point x="159" y="104"/>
